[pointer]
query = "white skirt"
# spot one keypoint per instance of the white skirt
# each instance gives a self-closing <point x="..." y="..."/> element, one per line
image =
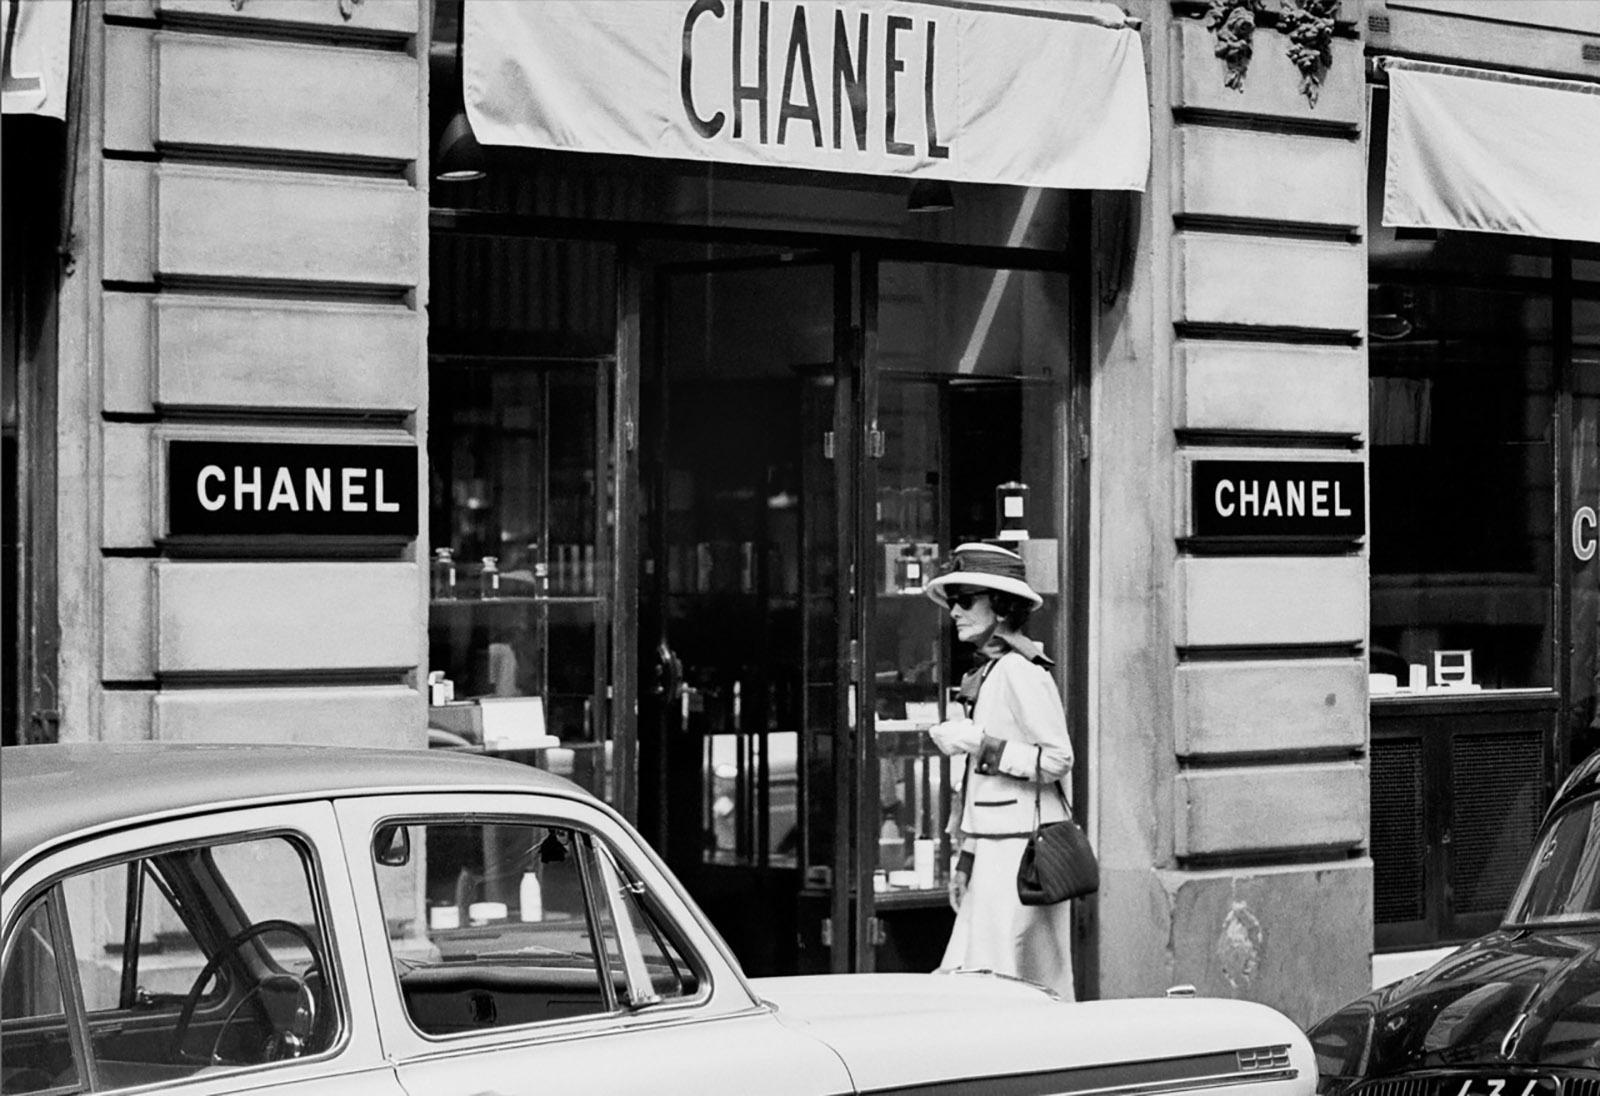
<point x="994" y="931"/>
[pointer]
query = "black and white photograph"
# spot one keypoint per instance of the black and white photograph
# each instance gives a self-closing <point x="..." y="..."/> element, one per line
<point x="800" y="547"/>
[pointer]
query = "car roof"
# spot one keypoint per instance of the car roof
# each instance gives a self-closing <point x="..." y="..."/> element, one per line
<point x="51" y="792"/>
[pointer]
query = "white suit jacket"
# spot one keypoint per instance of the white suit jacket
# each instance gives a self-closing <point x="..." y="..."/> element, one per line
<point x="1020" y="709"/>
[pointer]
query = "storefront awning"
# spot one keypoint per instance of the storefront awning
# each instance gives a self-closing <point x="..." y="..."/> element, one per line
<point x="1023" y="92"/>
<point x="1492" y="152"/>
<point x="37" y="43"/>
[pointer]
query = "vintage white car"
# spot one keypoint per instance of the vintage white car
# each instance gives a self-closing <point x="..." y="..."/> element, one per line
<point x="301" y="919"/>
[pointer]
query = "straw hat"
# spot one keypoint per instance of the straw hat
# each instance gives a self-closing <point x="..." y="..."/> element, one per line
<point x="985" y="566"/>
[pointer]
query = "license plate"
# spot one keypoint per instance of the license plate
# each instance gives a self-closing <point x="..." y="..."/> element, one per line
<point x="1490" y="1085"/>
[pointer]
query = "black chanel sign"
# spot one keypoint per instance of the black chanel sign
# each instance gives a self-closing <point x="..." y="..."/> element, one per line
<point x="222" y="488"/>
<point x="1251" y="498"/>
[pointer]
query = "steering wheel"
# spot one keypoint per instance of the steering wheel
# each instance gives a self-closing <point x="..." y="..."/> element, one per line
<point x="288" y="1042"/>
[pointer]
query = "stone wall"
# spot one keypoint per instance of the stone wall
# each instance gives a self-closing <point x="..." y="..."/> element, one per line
<point x="1230" y="707"/>
<point x="249" y="266"/>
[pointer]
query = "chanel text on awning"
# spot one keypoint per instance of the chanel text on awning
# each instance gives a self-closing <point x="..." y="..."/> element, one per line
<point x="849" y="57"/>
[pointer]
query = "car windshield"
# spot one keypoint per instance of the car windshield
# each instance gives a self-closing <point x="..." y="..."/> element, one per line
<point x="1562" y="881"/>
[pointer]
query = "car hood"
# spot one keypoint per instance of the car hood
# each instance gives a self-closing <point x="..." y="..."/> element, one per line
<point x="1512" y="997"/>
<point x="899" y="1029"/>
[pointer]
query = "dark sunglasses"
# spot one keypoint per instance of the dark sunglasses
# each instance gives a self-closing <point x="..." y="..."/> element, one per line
<point x="966" y="598"/>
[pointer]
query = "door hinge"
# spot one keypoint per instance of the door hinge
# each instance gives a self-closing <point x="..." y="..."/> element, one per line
<point x="628" y="434"/>
<point x="875" y="442"/>
<point x="827" y="445"/>
<point x="855" y="660"/>
<point x="827" y="932"/>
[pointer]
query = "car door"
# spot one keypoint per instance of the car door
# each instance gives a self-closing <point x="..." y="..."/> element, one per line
<point x="531" y="944"/>
<point x="199" y="955"/>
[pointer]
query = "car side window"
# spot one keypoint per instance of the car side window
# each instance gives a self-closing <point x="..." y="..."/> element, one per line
<point x="492" y="924"/>
<point x="197" y="958"/>
<point x="154" y="949"/>
<point x="1562" y="880"/>
<point x="35" y="1047"/>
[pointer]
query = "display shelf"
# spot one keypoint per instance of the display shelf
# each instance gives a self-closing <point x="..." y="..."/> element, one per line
<point x="520" y="599"/>
<point x="462" y="602"/>
<point x="910" y="898"/>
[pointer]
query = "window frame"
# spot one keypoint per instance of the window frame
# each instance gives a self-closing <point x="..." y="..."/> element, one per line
<point x="68" y="985"/>
<point x="310" y="826"/>
<point x="720" y="990"/>
<point x="1532" y="871"/>
<point x="603" y="879"/>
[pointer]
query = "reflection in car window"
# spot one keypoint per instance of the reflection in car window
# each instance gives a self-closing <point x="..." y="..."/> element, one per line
<point x="1562" y="882"/>
<point x="669" y="973"/>
<point x="35" y="1052"/>
<point x="490" y="924"/>
<point x="167" y="956"/>
<point x="198" y="958"/>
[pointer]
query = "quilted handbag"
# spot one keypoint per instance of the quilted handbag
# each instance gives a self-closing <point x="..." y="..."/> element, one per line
<point x="1058" y="863"/>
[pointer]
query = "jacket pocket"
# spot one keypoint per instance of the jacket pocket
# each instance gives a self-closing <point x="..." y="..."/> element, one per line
<point x="994" y="802"/>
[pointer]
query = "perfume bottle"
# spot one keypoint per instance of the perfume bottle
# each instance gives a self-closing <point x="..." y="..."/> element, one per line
<point x="908" y="570"/>
<point x="489" y="577"/>
<point x="444" y="573"/>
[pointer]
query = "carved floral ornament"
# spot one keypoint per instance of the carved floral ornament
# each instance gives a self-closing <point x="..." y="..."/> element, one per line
<point x="1306" y="24"/>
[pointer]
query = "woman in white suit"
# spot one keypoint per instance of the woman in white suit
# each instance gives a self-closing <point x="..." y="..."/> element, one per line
<point x="1014" y="736"/>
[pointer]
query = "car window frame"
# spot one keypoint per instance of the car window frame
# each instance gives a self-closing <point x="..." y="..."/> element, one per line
<point x="721" y="990"/>
<point x="68" y="983"/>
<point x="602" y="881"/>
<point x="1519" y="897"/>
<point x="311" y="825"/>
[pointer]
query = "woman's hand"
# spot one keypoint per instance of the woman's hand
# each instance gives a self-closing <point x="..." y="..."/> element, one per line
<point x="955" y="736"/>
<point x="958" y="889"/>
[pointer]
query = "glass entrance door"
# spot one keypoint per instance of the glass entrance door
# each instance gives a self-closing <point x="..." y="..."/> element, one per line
<point x="742" y="605"/>
<point x="817" y="430"/>
<point x="967" y="413"/>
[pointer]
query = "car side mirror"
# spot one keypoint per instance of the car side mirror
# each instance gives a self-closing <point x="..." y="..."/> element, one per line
<point x="391" y="847"/>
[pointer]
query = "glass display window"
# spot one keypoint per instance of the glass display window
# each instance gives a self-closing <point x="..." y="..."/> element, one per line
<point x="1462" y="434"/>
<point x="1484" y="465"/>
<point x="523" y="501"/>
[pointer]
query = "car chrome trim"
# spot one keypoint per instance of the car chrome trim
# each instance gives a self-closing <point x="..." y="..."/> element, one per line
<point x="990" y="972"/>
<point x="1508" y="1045"/>
<point x="1145" y="1078"/>
<point x="594" y="1026"/>
<point x="1566" y="1080"/>
<point x="1060" y="1084"/>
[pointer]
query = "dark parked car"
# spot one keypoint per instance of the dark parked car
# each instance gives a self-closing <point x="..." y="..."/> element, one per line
<point x="1513" y="1013"/>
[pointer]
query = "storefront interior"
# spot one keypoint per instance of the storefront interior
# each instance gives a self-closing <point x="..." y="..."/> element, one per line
<point x="697" y="437"/>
